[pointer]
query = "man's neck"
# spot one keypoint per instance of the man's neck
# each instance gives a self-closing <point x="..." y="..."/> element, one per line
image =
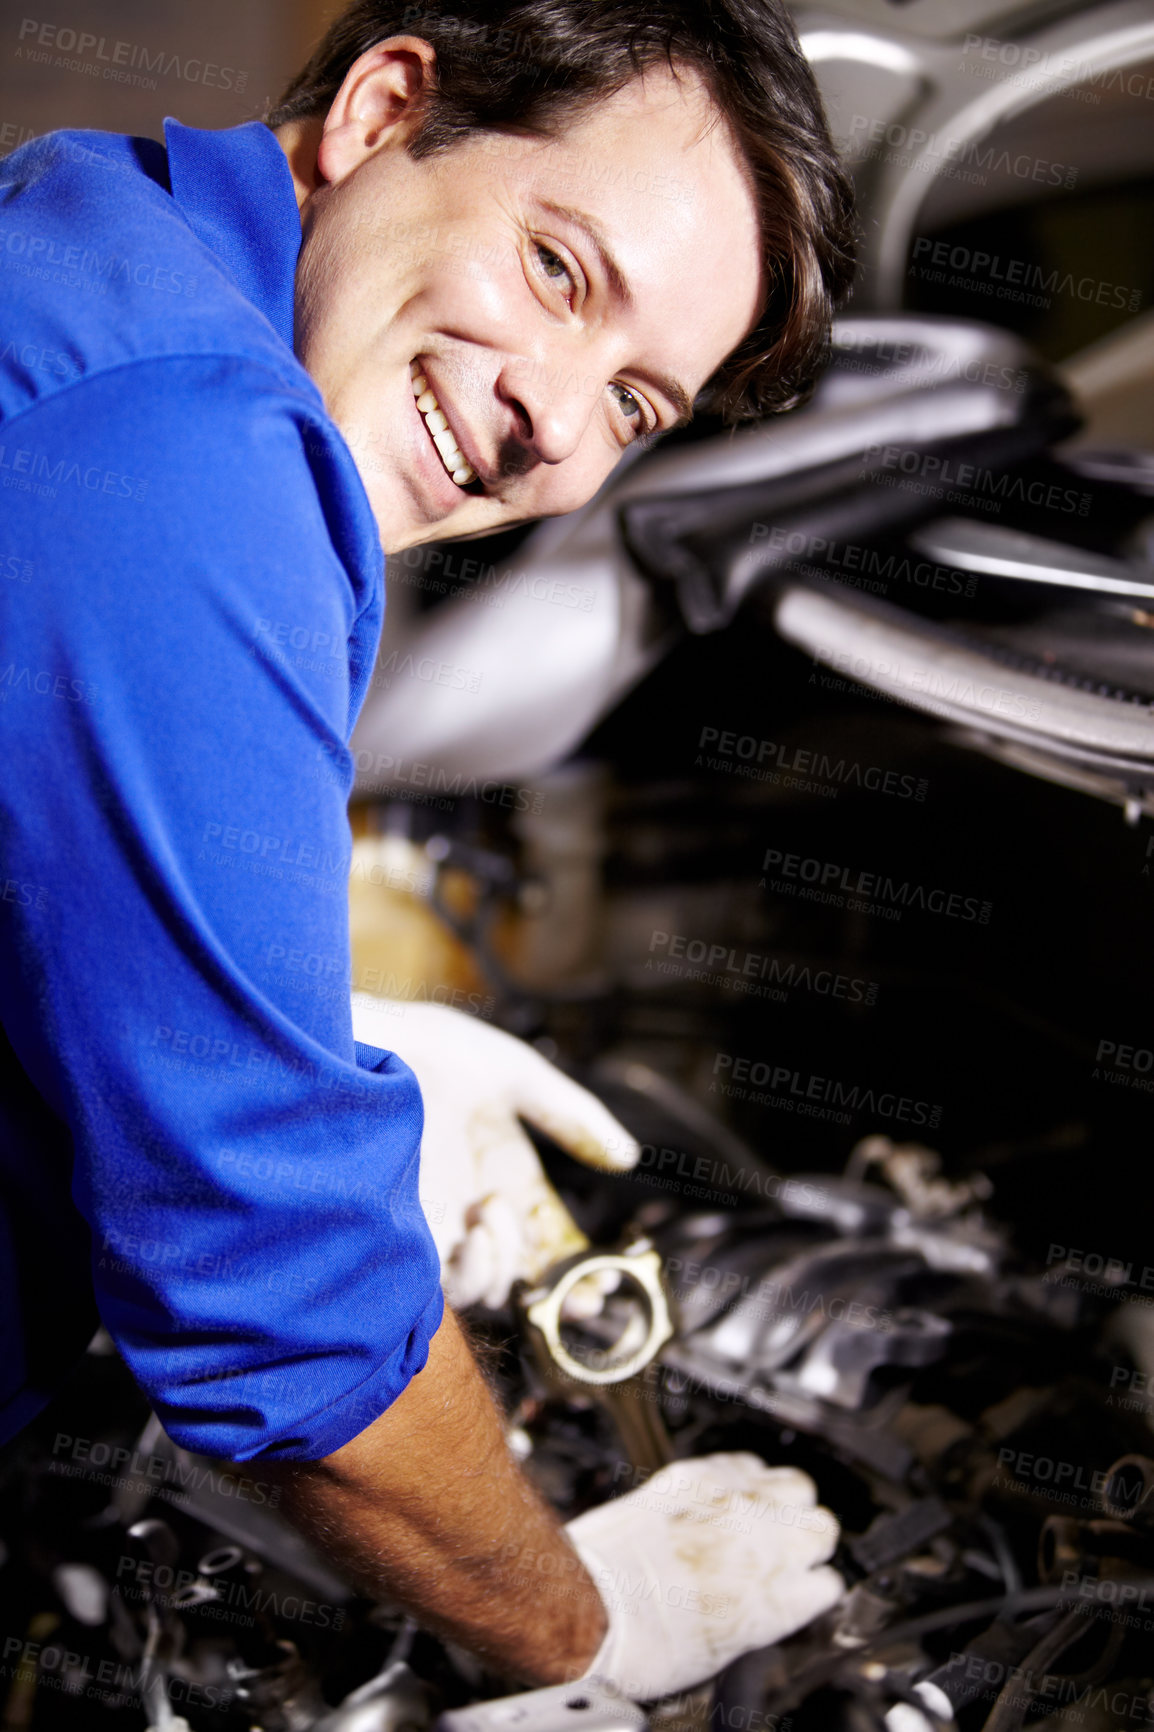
<point x="300" y="141"/>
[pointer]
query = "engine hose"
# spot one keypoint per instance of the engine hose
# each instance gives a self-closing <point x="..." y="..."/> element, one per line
<point x="938" y="669"/>
<point x="1009" y="1710"/>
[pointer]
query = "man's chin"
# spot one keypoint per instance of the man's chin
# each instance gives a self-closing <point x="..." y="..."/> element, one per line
<point x="487" y="529"/>
<point x="472" y="520"/>
<point x="409" y="522"/>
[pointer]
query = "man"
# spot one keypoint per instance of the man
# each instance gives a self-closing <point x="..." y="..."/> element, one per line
<point x="507" y="242"/>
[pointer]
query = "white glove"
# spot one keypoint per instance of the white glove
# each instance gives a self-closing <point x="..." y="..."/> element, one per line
<point x="706" y="1560"/>
<point x="494" y="1216"/>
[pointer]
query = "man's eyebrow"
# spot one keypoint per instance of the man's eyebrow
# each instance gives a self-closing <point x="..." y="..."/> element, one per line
<point x="678" y="396"/>
<point x="619" y="283"/>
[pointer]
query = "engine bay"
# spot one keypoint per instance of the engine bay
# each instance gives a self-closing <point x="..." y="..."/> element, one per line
<point x="884" y="1181"/>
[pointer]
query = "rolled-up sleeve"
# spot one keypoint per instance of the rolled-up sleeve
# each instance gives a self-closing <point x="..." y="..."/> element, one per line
<point x="177" y="682"/>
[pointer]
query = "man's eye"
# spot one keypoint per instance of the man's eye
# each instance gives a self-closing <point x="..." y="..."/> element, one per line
<point x="630" y="406"/>
<point x="554" y="267"/>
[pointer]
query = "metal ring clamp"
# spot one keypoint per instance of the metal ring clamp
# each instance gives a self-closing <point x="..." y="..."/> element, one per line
<point x="645" y="1334"/>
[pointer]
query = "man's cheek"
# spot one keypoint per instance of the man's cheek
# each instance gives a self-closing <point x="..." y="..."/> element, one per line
<point x="569" y="485"/>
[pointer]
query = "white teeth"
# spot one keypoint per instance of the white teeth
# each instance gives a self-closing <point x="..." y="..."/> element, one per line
<point x="436" y="421"/>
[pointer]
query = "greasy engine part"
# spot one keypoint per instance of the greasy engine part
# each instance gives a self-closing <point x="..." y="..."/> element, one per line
<point x="647" y="1325"/>
<point x="563" y="1708"/>
<point x="884" y="1336"/>
<point x="609" y="1350"/>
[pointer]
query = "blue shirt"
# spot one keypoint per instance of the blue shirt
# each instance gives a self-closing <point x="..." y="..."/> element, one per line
<point x="191" y="594"/>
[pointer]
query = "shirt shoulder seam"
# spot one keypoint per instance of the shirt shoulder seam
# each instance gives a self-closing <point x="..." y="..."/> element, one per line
<point x="263" y="366"/>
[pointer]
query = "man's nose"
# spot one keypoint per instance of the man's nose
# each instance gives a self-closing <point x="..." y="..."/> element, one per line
<point x="552" y="406"/>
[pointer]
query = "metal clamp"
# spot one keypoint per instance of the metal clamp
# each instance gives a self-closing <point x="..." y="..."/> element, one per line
<point x="644" y="1335"/>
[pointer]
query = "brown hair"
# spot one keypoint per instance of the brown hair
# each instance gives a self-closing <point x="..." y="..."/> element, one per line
<point x="527" y="65"/>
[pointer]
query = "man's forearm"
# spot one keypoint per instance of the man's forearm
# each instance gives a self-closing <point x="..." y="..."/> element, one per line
<point x="428" y="1509"/>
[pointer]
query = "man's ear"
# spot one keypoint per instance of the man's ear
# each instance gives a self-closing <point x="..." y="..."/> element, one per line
<point x="381" y="102"/>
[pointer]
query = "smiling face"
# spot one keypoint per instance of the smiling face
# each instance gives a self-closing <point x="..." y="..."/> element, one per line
<point x="493" y="326"/>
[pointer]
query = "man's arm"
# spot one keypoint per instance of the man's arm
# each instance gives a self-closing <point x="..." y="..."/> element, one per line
<point x="177" y="687"/>
<point x="428" y="1508"/>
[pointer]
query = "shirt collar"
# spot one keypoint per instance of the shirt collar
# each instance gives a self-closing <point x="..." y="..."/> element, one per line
<point x="235" y="191"/>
